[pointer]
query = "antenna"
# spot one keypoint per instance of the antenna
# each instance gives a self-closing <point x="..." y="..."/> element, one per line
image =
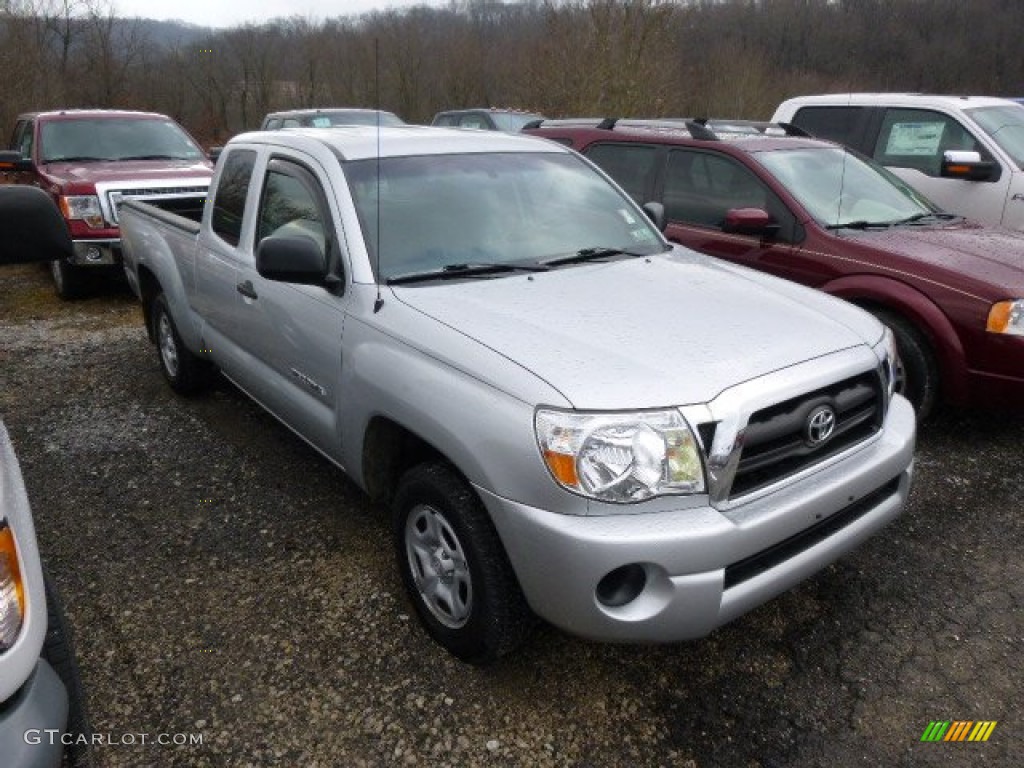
<point x="376" y="86"/>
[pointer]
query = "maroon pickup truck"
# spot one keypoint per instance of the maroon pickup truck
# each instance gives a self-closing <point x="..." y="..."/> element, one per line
<point x="91" y="160"/>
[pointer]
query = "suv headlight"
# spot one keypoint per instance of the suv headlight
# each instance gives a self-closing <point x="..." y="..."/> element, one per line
<point x="83" y="207"/>
<point x="12" y="591"/>
<point x="1007" y="317"/>
<point x="620" y="457"/>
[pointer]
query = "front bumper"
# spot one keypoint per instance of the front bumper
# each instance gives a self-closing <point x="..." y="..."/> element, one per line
<point x="41" y="704"/>
<point x="702" y="567"/>
<point x="96" y="253"/>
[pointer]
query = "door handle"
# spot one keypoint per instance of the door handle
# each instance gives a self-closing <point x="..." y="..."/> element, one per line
<point x="247" y="290"/>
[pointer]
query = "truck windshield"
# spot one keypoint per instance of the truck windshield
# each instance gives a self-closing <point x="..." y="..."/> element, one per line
<point x="839" y="188"/>
<point x="438" y="212"/>
<point x="1006" y="127"/>
<point x="100" y="139"/>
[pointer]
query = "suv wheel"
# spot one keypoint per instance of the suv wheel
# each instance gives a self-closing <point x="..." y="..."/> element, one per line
<point x="454" y="567"/>
<point x="68" y="280"/>
<point x="917" y="377"/>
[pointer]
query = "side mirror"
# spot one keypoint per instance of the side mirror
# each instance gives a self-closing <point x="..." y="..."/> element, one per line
<point x="656" y="213"/>
<point x="291" y="259"/>
<point x="33" y="228"/>
<point x="969" y="166"/>
<point x="214" y="153"/>
<point x="12" y="160"/>
<point x="749" y="221"/>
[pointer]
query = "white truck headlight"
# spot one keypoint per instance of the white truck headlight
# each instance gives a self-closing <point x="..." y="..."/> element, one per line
<point x="82" y="207"/>
<point x="1007" y="317"/>
<point x="12" y="591"/>
<point x="620" y="457"/>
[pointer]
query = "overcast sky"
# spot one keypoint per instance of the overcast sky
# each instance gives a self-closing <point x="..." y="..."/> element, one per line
<point x="231" y="13"/>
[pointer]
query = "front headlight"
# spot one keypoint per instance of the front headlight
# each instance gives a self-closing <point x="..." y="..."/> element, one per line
<point x="889" y="358"/>
<point x="83" y="207"/>
<point x="12" y="592"/>
<point x="620" y="457"/>
<point x="1007" y="317"/>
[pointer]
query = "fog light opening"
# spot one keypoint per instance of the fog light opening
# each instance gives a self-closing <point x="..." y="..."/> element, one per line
<point x="621" y="586"/>
<point x="92" y="253"/>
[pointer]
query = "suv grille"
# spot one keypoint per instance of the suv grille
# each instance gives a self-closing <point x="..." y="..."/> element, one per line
<point x="779" y="440"/>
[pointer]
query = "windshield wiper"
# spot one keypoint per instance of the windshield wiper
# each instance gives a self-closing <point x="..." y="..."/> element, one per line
<point x="77" y="159"/>
<point x="457" y="271"/>
<point x="153" y="157"/>
<point x="917" y="217"/>
<point x="589" y="254"/>
<point x="860" y="224"/>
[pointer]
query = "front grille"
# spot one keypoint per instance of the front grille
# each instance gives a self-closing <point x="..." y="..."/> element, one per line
<point x="776" y="444"/>
<point x="166" y="197"/>
<point x="757" y="564"/>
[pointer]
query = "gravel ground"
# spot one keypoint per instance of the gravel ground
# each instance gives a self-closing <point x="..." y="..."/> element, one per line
<point x="224" y="582"/>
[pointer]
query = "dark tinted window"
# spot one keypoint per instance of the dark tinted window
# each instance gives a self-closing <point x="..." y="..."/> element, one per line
<point x="289" y="205"/>
<point x="834" y="123"/>
<point x="917" y="138"/>
<point x="232" y="189"/>
<point x="631" y="165"/>
<point x="701" y="187"/>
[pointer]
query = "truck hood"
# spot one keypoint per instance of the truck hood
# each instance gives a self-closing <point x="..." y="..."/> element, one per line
<point x="641" y="333"/>
<point x="125" y="171"/>
<point x="989" y="255"/>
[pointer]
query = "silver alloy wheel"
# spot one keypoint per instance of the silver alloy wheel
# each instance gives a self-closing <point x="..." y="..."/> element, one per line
<point x="168" y="345"/>
<point x="438" y="566"/>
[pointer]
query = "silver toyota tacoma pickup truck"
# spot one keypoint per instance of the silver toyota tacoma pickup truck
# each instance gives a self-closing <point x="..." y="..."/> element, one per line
<point x="568" y="416"/>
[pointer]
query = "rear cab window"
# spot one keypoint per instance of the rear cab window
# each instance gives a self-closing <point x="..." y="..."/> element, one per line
<point x="232" y="190"/>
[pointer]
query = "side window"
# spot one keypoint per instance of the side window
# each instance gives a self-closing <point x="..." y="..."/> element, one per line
<point x="229" y="202"/>
<point x="701" y="187"/>
<point x="473" y="121"/>
<point x="445" y="121"/>
<point x="917" y="138"/>
<point x="290" y="122"/>
<point x="22" y="139"/>
<point x="631" y="165"/>
<point x="291" y="205"/>
<point x="272" y="124"/>
<point x="837" y="124"/>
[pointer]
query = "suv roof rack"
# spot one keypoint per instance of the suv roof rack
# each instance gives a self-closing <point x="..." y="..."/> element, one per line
<point x="701" y="128"/>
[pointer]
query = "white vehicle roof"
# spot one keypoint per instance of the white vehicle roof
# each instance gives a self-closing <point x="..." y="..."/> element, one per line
<point x="950" y="103"/>
<point x="358" y="142"/>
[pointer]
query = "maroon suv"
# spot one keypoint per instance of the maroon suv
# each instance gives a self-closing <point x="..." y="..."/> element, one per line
<point x="91" y="160"/>
<point x="951" y="290"/>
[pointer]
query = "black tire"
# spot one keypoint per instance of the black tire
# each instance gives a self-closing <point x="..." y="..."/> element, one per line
<point x="59" y="652"/>
<point x="69" y="281"/>
<point x="488" y="616"/>
<point x="187" y="373"/>
<point x="917" y="377"/>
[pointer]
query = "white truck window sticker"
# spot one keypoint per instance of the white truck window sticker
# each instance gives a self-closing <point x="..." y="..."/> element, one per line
<point x="914" y="139"/>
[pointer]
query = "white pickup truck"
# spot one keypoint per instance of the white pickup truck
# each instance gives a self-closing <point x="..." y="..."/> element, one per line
<point x="567" y="415"/>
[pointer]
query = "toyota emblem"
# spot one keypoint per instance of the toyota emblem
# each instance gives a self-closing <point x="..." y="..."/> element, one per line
<point x="821" y="423"/>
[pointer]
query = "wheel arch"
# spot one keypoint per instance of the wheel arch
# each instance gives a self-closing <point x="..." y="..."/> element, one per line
<point x="872" y="292"/>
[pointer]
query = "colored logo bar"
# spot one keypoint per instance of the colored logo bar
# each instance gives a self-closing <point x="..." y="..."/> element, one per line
<point x="958" y="730"/>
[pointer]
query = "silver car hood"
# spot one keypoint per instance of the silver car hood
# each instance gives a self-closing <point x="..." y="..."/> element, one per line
<point x="640" y="333"/>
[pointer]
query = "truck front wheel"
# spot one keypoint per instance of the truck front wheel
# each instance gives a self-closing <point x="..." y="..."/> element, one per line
<point x="184" y="371"/>
<point x="68" y="280"/>
<point x="454" y="567"/>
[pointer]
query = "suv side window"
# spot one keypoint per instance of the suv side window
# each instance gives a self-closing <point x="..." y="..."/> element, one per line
<point x="917" y="138"/>
<point x="272" y="124"/>
<point x="475" y="121"/>
<point x="232" y="189"/>
<point x="292" y="205"/>
<point x="631" y="165"/>
<point x="22" y="139"/>
<point x="701" y="187"/>
<point x="446" y="121"/>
